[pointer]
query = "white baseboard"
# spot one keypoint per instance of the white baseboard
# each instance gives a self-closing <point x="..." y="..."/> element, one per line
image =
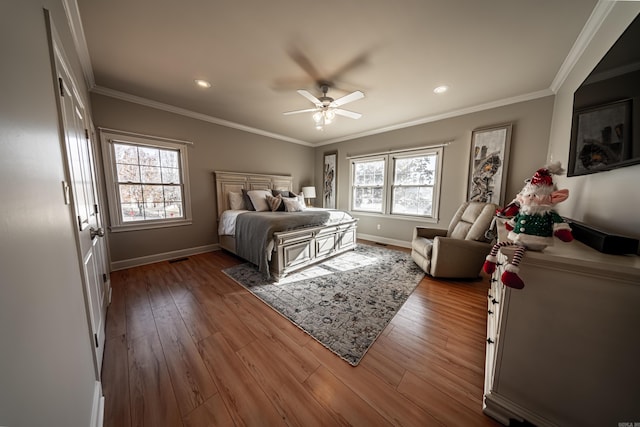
<point x="97" y="410"/>
<point x="150" y="259"/>
<point x="386" y="241"/>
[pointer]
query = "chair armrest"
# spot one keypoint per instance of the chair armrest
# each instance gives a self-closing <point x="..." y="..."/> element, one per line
<point x="457" y="258"/>
<point x="428" y="233"/>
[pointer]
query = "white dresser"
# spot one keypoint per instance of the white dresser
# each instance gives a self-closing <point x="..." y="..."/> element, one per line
<point x="565" y="350"/>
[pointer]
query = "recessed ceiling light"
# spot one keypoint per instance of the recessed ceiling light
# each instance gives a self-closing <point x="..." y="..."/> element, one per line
<point x="441" y="89"/>
<point x="203" y="83"/>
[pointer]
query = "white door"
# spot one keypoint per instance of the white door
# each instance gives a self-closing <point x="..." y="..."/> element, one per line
<point x="83" y="197"/>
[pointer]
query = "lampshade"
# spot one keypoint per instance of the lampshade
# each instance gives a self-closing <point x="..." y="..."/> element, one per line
<point x="309" y="192"/>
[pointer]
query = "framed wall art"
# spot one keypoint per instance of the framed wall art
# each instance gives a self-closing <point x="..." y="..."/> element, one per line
<point x="488" y="165"/>
<point x="600" y="138"/>
<point x="329" y="176"/>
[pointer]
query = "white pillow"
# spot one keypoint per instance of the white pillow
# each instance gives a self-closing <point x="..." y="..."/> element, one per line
<point x="259" y="199"/>
<point x="236" y="201"/>
<point x="292" y="204"/>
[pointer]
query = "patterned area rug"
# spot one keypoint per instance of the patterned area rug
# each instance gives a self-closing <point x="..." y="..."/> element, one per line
<point x="344" y="302"/>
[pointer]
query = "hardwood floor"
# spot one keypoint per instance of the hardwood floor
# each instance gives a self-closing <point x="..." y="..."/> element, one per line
<point x="187" y="346"/>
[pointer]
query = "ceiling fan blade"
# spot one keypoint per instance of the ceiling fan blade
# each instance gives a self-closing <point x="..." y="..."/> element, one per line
<point x="353" y="96"/>
<point x="308" y="110"/>
<point x="347" y="113"/>
<point x="354" y="63"/>
<point x="304" y="63"/>
<point x="309" y="96"/>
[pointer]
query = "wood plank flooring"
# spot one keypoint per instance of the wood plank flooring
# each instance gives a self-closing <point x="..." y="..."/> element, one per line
<point x="188" y="347"/>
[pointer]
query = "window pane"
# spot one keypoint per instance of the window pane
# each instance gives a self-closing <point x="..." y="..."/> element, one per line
<point x="173" y="210"/>
<point x="172" y="193"/>
<point x="150" y="174"/>
<point x="130" y="193"/>
<point x="149" y="156"/>
<point x="170" y="176"/>
<point x="153" y="193"/>
<point x="415" y="170"/>
<point x="128" y="173"/>
<point x="125" y="153"/>
<point x="132" y="212"/>
<point x="413" y="200"/>
<point x="169" y="158"/>
<point x="367" y="199"/>
<point x="369" y="173"/>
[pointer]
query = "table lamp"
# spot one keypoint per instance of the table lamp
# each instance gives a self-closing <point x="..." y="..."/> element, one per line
<point x="309" y="193"/>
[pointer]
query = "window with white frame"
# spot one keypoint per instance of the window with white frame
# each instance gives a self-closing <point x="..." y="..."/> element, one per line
<point x="147" y="181"/>
<point x="403" y="183"/>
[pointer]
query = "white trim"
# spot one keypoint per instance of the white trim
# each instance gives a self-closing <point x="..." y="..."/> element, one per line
<point x="165" y="256"/>
<point x="188" y="113"/>
<point x="503" y="409"/>
<point x="591" y="27"/>
<point x="142" y="135"/>
<point x="77" y="33"/>
<point x="116" y="223"/>
<point x="407" y="151"/>
<point x="384" y="240"/>
<point x="97" y="408"/>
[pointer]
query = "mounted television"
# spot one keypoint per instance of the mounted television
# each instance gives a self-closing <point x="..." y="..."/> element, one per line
<point x="605" y="130"/>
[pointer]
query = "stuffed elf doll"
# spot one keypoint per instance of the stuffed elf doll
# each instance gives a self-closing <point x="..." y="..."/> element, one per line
<point x="534" y="222"/>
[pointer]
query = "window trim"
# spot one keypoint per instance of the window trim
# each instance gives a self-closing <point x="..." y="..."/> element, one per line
<point x="387" y="190"/>
<point x="116" y="224"/>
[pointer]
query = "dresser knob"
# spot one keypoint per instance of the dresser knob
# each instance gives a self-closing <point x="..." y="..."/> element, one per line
<point x="489" y="311"/>
<point x="490" y="341"/>
<point x="494" y="301"/>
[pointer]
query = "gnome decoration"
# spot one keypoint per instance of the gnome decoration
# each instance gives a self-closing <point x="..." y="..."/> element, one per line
<point x="534" y="222"/>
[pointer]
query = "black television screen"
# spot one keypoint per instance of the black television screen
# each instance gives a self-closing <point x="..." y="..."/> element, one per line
<point x="605" y="129"/>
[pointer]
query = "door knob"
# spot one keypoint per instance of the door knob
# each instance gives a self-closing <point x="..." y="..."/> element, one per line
<point x="96" y="232"/>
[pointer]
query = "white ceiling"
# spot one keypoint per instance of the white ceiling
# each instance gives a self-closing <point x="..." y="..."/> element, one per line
<point x="489" y="52"/>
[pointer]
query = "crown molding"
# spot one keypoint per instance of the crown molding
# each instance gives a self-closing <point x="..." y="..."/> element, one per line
<point x="192" y="114"/>
<point x="591" y="27"/>
<point x="455" y="113"/>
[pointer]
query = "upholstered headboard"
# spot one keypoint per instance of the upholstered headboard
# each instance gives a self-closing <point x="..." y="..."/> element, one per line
<point x="227" y="182"/>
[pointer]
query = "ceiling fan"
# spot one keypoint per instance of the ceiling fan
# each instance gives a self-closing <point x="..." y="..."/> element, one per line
<point x="326" y="108"/>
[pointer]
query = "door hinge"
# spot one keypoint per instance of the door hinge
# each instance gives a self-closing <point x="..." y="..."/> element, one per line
<point x="95" y="209"/>
<point x="104" y="277"/>
<point x="86" y="133"/>
<point x="95" y="336"/>
<point x="61" y="84"/>
<point x="79" y="223"/>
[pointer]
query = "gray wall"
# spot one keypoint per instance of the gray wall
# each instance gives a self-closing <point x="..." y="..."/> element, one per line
<point x="531" y="123"/>
<point x="608" y="200"/>
<point x="215" y="148"/>
<point x="47" y="373"/>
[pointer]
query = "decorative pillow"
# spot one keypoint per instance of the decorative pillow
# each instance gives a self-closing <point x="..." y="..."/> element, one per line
<point x="247" y="201"/>
<point x="275" y="202"/>
<point x="283" y="193"/>
<point x="236" y="201"/>
<point x="259" y="199"/>
<point x="292" y="205"/>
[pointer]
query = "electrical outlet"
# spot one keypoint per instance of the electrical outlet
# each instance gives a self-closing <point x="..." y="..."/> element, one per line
<point x="378" y="226"/>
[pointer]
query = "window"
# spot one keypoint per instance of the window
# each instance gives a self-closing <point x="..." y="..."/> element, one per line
<point x="147" y="181"/>
<point x="403" y="183"/>
<point x="368" y="185"/>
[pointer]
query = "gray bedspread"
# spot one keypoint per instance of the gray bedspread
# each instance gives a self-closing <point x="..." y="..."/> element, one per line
<point x="254" y="230"/>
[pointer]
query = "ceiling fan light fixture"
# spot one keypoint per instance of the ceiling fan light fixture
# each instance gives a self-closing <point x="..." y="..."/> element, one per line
<point x="203" y="83"/>
<point x="441" y="89"/>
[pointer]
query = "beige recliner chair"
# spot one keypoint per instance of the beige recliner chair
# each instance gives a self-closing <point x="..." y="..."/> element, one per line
<point x="460" y="251"/>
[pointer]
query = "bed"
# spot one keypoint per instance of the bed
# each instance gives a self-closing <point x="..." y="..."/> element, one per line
<point x="283" y="241"/>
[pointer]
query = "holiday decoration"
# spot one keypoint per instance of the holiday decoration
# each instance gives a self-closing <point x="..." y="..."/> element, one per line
<point x="533" y="222"/>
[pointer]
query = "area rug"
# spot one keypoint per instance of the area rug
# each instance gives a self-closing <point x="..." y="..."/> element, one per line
<point x="344" y="302"/>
